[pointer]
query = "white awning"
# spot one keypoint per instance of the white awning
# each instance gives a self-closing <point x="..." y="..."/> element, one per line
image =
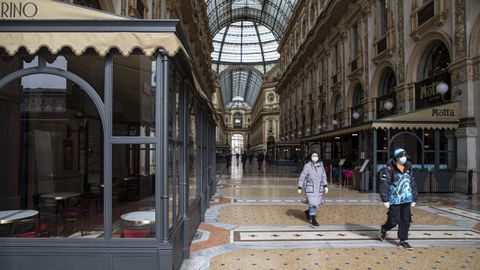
<point x="78" y="41"/>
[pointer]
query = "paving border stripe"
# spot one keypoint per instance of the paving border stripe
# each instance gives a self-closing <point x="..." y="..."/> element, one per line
<point x="365" y="235"/>
<point x="445" y="210"/>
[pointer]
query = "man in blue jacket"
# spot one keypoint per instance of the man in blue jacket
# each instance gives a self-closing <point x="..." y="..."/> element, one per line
<point x="398" y="192"/>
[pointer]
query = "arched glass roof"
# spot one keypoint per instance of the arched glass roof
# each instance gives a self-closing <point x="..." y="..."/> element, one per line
<point x="240" y="86"/>
<point x="274" y="14"/>
<point x="245" y="42"/>
<point x="246" y="35"/>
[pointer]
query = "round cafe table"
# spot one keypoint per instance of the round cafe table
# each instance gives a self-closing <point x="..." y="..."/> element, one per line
<point x="139" y="218"/>
<point x="9" y="216"/>
<point x="59" y="196"/>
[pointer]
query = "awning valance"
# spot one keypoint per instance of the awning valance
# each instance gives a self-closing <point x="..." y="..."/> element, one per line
<point x="439" y="117"/>
<point x="34" y="24"/>
<point x="101" y="42"/>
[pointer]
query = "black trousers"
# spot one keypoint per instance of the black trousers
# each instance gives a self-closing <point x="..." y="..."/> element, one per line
<point x="400" y="215"/>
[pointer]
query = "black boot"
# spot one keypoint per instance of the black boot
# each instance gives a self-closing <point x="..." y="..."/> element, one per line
<point x="314" y="221"/>
<point x="307" y="214"/>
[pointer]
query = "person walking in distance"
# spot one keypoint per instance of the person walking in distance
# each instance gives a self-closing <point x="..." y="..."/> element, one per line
<point x="260" y="158"/>
<point x="398" y="191"/>
<point x="228" y="159"/>
<point x="313" y="181"/>
<point x="244" y="160"/>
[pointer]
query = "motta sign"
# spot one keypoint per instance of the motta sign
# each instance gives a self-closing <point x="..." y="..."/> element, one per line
<point x="18" y="10"/>
<point x="443" y="113"/>
<point x="426" y="94"/>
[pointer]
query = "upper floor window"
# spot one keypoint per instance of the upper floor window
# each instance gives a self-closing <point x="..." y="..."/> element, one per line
<point x="383" y="17"/>
<point x="336" y="59"/>
<point x="355" y="46"/>
<point x="238" y="120"/>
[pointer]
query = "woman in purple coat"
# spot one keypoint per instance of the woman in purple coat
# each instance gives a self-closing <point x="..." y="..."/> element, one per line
<point x="313" y="181"/>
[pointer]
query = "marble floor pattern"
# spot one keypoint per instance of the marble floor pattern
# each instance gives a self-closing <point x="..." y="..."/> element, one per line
<point x="256" y="221"/>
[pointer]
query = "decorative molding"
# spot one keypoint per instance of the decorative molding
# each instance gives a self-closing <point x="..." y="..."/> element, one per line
<point x="366" y="55"/>
<point x="460" y="37"/>
<point x="401" y="43"/>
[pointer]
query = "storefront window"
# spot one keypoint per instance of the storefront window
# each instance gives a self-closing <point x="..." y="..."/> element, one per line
<point x="133" y="191"/>
<point x="175" y="145"/>
<point x="382" y="139"/>
<point x="411" y="144"/>
<point x="134" y="84"/>
<point x="52" y="159"/>
<point x="192" y="148"/>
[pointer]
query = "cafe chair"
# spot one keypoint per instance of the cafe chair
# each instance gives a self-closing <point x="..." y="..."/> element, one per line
<point x="136" y="233"/>
<point x="76" y="212"/>
<point x="94" y="196"/>
<point x="31" y="228"/>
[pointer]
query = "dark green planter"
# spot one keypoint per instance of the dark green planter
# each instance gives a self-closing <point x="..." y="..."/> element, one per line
<point x="442" y="181"/>
<point x="423" y="181"/>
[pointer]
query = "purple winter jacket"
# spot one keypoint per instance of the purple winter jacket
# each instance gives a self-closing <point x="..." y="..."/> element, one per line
<point x="313" y="181"/>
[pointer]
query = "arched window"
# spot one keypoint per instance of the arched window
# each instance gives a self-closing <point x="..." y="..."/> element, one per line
<point x="237" y="120"/>
<point x="357" y="95"/>
<point x="432" y="69"/>
<point x="338" y="104"/>
<point x="386" y="100"/>
<point x="436" y="60"/>
<point x="387" y="82"/>
<point x="357" y="109"/>
<point x="338" y="112"/>
<point x="312" y="121"/>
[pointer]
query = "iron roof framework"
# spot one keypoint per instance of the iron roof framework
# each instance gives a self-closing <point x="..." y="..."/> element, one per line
<point x="240" y="87"/>
<point x="246" y="35"/>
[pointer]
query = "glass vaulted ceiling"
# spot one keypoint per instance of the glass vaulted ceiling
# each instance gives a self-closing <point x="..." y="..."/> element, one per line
<point x="246" y="35"/>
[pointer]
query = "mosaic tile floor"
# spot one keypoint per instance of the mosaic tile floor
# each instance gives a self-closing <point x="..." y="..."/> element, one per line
<point x="256" y="221"/>
<point x="293" y="215"/>
<point x="363" y="258"/>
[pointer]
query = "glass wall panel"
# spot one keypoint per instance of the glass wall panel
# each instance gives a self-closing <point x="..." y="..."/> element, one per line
<point x="133" y="191"/>
<point x="91" y="67"/>
<point x="133" y="96"/>
<point x="192" y="149"/>
<point x="51" y="161"/>
<point x="175" y="145"/>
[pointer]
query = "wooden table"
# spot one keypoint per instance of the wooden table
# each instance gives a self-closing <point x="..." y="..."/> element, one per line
<point x="9" y="216"/>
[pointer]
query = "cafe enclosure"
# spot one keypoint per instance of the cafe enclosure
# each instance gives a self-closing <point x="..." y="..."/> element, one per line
<point x="107" y="138"/>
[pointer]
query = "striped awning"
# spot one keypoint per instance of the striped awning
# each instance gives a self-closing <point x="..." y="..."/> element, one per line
<point x="98" y="37"/>
<point x="439" y="117"/>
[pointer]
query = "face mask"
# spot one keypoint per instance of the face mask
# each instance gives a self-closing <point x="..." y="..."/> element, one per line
<point x="314" y="159"/>
<point x="403" y="160"/>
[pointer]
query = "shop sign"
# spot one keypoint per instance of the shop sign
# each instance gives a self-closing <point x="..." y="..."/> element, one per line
<point x="426" y="94"/>
<point x="18" y="10"/>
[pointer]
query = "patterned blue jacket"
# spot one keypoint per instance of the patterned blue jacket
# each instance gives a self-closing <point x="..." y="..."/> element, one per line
<point x="397" y="187"/>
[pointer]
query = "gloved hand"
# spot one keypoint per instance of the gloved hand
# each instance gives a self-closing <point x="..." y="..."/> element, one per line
<point x="413" y="204"/>
<point x="299" y="191"/>
<point x="386" y="204"/>
<point x="326" y="190"/>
